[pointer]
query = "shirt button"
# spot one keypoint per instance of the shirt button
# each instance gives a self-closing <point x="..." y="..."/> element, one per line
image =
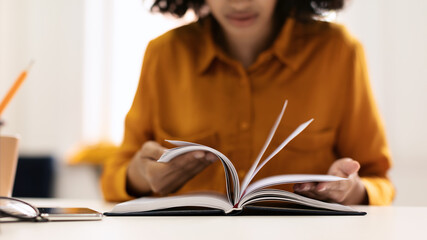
<point x="244" y="125"/>
<point x="241" y="173"/>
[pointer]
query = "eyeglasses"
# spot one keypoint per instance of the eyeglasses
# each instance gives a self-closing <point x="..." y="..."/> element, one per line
<point x="20" y="210"/>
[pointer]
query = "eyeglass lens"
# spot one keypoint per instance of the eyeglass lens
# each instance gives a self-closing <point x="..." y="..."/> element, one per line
<point x="17" y="208"/>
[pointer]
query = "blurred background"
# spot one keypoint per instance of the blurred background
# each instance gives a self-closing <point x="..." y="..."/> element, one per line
<point x="88" y="55"/>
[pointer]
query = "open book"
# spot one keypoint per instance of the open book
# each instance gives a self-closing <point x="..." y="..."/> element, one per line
<point x="248" y="197"/>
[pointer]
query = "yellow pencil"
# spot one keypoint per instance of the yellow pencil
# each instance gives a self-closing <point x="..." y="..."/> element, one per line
<point x="14" y="88"/>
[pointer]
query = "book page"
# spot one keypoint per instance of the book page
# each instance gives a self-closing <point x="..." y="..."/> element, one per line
<point x="295" y="133"/>
<point x="233" y="186"/>
<point x="288" y="179"/>
<point x="209" y="200"/>
<point x="251" y="171"/>
<point x="281" y="195"/>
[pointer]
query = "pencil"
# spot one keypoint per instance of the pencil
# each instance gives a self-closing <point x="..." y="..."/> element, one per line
<point x="14" y="88"/>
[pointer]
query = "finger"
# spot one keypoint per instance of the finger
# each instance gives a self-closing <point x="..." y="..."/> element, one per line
<point x="152" y="150"/>
<point x="190" y="161"/>
<point x="323" y="186"/>
<point x="314" y="195"/>
<point x="333" y="191"/>
<point x="198" y="155"/>
<point x="169" y="177"/>
<point x="344" y="167"/>
<point x="297" y="187"/>
<point x="196" y="162"/>
<point x="303" y="187"/>
<point x="163" y="178"/>
<point x="185" y="167"/>
<point x="334" y="186"/>
<point x="211" y="157"/>
<point x="329" y="188"/>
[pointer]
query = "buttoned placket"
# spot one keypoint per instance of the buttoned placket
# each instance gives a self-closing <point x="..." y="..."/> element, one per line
<point x="244" y="120"/>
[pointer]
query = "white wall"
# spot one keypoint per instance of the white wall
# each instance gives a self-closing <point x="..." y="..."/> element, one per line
<point x="46" y="111"/>
<point x="116" y="35"/>
<point x="78" y="48"/>
<point x="406" y="73"/>
<point x="394" y="35"/>
<point x="88" y="57"/>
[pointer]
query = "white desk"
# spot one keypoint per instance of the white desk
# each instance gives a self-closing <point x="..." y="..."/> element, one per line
<point x="380" y="223"/>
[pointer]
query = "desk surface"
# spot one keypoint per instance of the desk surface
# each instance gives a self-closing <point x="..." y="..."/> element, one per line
<point x="379" y="223"/>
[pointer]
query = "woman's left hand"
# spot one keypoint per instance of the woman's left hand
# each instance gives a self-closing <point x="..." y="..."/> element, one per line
<point x="348" y="192"/>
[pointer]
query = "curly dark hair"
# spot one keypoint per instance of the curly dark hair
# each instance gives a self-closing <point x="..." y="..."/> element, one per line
<point x="301" y="9"/>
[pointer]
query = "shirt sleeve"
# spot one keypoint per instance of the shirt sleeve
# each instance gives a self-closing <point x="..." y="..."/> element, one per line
<point x="361" y="134"/>
<point x="138" y="129"/>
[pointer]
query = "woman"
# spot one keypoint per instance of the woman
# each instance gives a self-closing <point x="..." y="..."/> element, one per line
<point x="221" y="82"/>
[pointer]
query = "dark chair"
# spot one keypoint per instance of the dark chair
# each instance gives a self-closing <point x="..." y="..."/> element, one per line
<point x="34" y="177"/>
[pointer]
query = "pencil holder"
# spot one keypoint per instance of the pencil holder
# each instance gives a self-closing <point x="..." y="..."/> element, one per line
<point x="8" y="163"/>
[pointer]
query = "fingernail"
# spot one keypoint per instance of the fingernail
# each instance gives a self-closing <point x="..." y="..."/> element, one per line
<point x="306" y="188"/>
<point x="199" y="155"/>
<point x="211" y="157"/>
<point x="321" y="189"/>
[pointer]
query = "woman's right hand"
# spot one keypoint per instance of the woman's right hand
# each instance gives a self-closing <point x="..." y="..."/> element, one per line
<point x="145" y="175"/>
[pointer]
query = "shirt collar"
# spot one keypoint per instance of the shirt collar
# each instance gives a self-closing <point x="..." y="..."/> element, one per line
<point x="286" y="47"/>
<point x="294" y="44"/>
<point x="209" y="49"/>
<point x="282" y="46"/>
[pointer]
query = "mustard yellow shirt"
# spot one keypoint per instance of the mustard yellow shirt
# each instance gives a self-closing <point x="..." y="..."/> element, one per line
<point x="191" y="90"/>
